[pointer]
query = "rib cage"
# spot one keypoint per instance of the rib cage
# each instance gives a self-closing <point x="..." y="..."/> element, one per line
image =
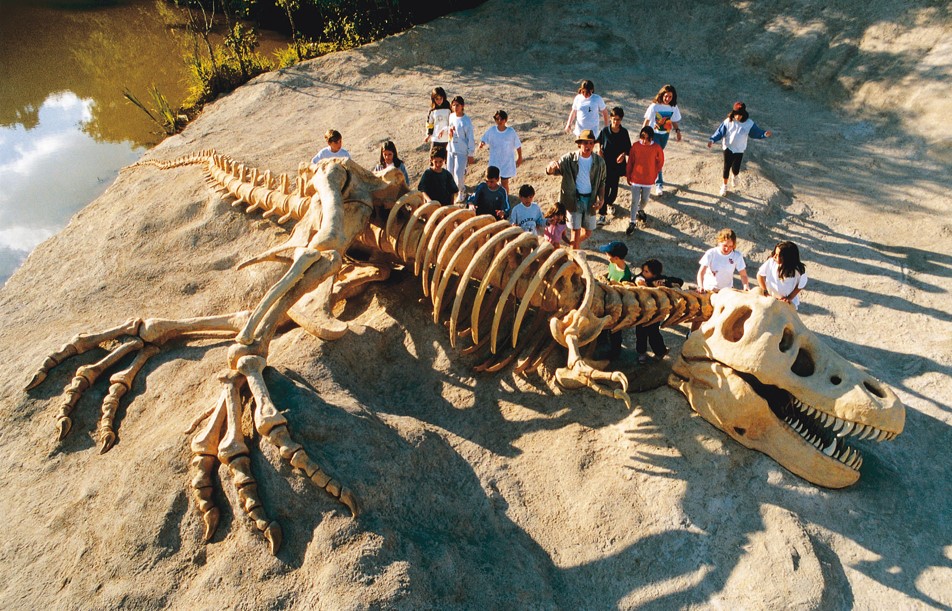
<point x="495" y="286"/>
<point x="512" y="283"/>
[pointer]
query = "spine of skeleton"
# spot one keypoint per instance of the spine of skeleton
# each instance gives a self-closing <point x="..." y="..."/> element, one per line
<point x="281" y="196"/>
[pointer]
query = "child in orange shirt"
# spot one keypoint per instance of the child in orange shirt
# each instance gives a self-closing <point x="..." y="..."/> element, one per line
<point x="645" y="161"/>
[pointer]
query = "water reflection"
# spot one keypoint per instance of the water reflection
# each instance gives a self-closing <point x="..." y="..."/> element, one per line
<point x="50" y="171"/>
<point x="65" y="128"/>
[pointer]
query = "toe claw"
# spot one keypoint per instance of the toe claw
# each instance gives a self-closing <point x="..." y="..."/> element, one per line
<point x="106" y="441"/>
<point x="347" y="498"/>
<point x="64" y="424"/>
<point x="211" y="523"/>
<point x="274" y="536"/>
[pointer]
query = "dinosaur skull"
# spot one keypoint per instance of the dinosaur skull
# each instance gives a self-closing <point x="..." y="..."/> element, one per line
<point x="757" y="373"/>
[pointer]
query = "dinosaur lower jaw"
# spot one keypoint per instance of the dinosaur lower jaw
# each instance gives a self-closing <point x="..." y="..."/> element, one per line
<point x="824" y="432"/>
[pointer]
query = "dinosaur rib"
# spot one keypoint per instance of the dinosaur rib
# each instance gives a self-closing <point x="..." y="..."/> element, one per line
<point x="543" y="248"/>
<point x="484" y="250"/>
<point x="436" y="237"/>
<point x="489" y="228"/>
<point x="452" y="250"/>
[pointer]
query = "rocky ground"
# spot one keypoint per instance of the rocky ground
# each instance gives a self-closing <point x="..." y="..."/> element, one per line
<point x="498" y="491"/>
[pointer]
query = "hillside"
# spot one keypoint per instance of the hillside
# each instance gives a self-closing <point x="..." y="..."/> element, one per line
<point x="498" y="491"/>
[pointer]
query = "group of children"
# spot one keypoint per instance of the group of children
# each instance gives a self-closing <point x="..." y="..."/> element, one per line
<point x="451" y="136"/>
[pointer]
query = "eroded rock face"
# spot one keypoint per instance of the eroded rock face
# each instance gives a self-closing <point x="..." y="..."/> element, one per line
<point x="757" y="373"/>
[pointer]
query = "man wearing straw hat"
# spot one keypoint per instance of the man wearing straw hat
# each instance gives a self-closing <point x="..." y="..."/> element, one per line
<point x="583" y="186"/>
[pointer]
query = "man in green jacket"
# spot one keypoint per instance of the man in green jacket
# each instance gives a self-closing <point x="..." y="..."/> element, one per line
<point x="583" y="186"/>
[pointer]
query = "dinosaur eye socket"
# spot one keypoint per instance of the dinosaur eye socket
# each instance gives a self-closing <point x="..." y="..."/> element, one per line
<point x="803" y="366"/>
<point x="733" y="328"/>
<point x="786" y="340"/>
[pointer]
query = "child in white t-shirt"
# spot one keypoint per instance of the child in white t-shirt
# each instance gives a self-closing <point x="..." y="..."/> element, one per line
<point x="719" y="264"/>
<point x="528" y="214"/>
<point x="783" y="275"/>
<point x="587" y="108"/>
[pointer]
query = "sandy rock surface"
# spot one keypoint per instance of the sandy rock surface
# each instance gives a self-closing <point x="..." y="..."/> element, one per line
<point x="498" y="491"/>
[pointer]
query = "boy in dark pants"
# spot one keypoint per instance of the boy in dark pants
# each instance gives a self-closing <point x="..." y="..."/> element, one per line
<point x="651" y="334"/>
<point x="609" y="344"/>
<point x="613" y="142"/>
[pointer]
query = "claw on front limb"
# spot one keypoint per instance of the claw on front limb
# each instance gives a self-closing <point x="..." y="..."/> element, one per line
<point x="580" y="373"/>
<point x="576" y="329"/>
<point x="140" y="335"/>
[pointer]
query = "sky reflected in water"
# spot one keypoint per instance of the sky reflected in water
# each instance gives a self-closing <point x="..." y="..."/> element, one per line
<point x="65" y="127"/>
<point x="49" y="172"/>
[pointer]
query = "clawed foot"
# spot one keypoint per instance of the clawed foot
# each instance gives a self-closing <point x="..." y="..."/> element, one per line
<point x="221" y="440"/>
<point x="126" y="335"/>
<point x="582" y="374"/>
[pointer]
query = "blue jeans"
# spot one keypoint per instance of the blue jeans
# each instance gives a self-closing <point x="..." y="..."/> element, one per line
<point x="661" y="139"/>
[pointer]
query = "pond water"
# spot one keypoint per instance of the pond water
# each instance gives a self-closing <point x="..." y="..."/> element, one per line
<point x="65" y="127"/>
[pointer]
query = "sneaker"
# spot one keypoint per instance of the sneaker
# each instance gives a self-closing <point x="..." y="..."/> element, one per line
<point x="733" y="182"/>
<point x="658" y="190"/>
<point x="631" y="228"/>
<point x="723" y="190"/>
<point x="663" y="354"/>
<point x="602" y="220"/>
<point x="611" y="211"/>
<point x="641" y="216"/>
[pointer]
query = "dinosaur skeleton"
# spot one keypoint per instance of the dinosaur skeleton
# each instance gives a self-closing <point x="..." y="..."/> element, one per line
<point x="498" y="288"/>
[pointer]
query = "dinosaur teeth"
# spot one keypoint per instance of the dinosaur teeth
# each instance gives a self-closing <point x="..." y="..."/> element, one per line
<point x="830" y="449"/>
<point x="846" y="429"/>
<point x="838" y="424"/>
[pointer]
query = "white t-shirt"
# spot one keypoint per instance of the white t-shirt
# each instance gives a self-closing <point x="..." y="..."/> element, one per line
<point x="440" y="117"/>
<point x="588" y="111"/>
<point x="502" y="149"/>
<point x="528" y="217"/>
<point x="781" y="287"/>
<point x="583" y="182"/>
<point x="327" y="153"/>
<point x="661" y="117"/>
<point x="721" y="268"/>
